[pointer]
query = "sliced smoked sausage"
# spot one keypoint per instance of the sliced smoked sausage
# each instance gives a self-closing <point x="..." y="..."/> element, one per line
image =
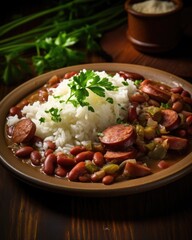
<point x="135" y="170"/>
<point x="131" y="75"/>
<point x="155" y="90"/>
<point x="23" y="131"/>
<point x="170" y="119"/>
<point x="175" y="143"/>
<point x="119" y="156"/>
<point x="118" y="136"/>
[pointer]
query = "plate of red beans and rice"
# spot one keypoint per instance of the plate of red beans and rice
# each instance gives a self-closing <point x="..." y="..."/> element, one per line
<point x="104" y="129"/>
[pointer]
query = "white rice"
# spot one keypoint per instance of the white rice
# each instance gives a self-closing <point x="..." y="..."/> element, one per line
<point x="78" y="124"/>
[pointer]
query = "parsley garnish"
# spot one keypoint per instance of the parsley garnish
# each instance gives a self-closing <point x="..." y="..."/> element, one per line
<point x="165" y="105"/>
<point x="109" y="100"/>
<point x="88" y="80"/>
<point x="137" y="82"/>
<point x="55" y="114"/>
<point x="42" y="120"/>
<point x="125" y="83"/>
<point x="119" y="121"/>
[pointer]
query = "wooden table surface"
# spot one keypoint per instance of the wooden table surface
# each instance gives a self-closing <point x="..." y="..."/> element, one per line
<point x="28" y="213"/>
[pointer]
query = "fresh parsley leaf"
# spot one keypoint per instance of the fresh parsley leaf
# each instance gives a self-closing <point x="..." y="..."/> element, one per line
<point x="55" y="114"/>
<point x="109" y="100"/>
<point x="98" y="90"/>
<point x="125" y="83"/>
<point x="88" y="80"/>
<point x="42" y="120"/>
<point x="165" y="105"/>
<point x="137" y="82"/>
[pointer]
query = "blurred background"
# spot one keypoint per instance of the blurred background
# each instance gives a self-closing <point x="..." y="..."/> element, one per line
<point x="79" y="31"/>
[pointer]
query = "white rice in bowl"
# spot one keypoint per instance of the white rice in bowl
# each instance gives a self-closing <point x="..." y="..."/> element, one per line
<point x="78" y="124"/>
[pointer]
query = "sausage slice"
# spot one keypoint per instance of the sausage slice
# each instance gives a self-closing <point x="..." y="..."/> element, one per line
<point x="24" y="131"/>
<point x="118" y="136"/>
<point x="131" y="75"/>
<point x="175" y="143"/>
<point x="155" y="90"/>
<point x="170" y="119"/>
<point x="135" y="170"/>
<point x="119" y="156"/>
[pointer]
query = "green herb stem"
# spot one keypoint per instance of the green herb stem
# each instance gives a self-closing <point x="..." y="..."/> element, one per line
<point x="16" y="23"/>
<point x="77" y="18"/>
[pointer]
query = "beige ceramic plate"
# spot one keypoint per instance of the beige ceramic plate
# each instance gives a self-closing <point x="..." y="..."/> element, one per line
<point x="31" y="176"/>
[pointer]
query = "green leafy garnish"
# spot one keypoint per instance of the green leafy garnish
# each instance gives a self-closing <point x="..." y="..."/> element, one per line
<point x="109" y="100"/>
<point x="88" y="80"/>
<point x="64" y="33"/>
<point x="165" y="105"/>
<point x="122" y="107"/>
<point x="55" y="114"/>
<point x="137" y="82"/>
<point x="42" y="120"/>
<point x="119" y="121"/>
<point x="56" y="53"/>
<point x="125" y="83"/>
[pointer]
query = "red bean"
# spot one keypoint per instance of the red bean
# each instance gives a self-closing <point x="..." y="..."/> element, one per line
<point x="48" y="151"/>
<point x="78" y="170"/>
<point x="65" y="161"/>
<point x="15" y="111"/>
<point x="137" y="97"/>
<point x="189" y="120"/>
<point x="181" y="133"/>
<point x="53" y="80"/>
<point x="177" y="106"/>
<point x="108" y="179"/>
<point x="82" y="156"/>
<point x="50" y="145"/>
<point x="35" y="157"/>
<point x="98" y="176"/>
<point x="163" y="164"/>
<point x="50" y="164"/>
<point x="43" y="95"/>
<point x="24" y="152"/>
<point x="23" y="103"/>
<point x="185" y="94"/>
<point x="187" y="100"/>
<point x="60" y="171"/>
<point x="77" y="149"/>
<point x="85" y="178"/>
<point x="69" y="74"/>
<point x="132" y="114"/>
<point x="98" y="159"/>
<point x="178" y="89"/>
<point x="33" y="98"/>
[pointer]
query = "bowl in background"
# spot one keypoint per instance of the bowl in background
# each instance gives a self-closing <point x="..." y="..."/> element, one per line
<point x="154" y="32"/>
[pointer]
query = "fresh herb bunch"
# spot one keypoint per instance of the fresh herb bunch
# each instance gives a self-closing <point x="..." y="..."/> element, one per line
<point x="60" y="36"/>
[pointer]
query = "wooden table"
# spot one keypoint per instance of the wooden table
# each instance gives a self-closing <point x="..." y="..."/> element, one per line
<point x="27" y="213"/>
